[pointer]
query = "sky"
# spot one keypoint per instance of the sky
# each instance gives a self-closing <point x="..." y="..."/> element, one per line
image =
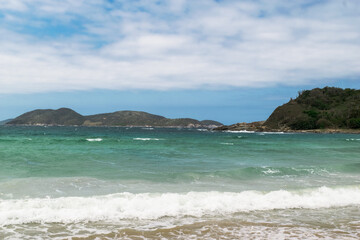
<point x="226" y="60"/>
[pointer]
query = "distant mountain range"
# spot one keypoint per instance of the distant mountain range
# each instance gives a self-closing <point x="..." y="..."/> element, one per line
<point x="68" y="117"/>
<point x="321" y="109"/>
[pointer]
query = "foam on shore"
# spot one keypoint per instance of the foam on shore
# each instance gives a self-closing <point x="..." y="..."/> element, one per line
<point x="150" y="206"/>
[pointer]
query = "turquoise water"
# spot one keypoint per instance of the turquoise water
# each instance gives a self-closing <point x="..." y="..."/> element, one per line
<point x="108" y="182"/>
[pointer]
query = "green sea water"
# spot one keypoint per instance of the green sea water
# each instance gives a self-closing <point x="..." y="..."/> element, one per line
<point x="110" y="182"/>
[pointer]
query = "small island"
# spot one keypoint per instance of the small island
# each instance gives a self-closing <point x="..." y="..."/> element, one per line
<point x="68" y="117"/>
<point x="320" y="110"/>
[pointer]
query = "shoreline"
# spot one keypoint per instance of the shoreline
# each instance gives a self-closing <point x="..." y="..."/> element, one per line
<point x="317" y="131"/>
<point x="326" y="131"/>
<point x="126" y="126"/>
<point x="264" y="130"/>
<point x="212" y="128"/>
<point x="260" y="127"/>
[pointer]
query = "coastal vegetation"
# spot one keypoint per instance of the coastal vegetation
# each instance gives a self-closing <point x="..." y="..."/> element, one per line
<point x="327" y="109"/>
<point x="323" y="108"/>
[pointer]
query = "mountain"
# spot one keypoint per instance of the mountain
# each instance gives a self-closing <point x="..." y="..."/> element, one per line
<point x="319" y="108"/>
<point x="62" y="116"/>
<point x="68" y="117"/>
<point x="123" y="118"/>
<point x="326" y="109"/>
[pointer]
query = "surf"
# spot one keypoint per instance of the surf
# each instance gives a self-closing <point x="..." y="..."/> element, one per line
<point x="152" y="206"/>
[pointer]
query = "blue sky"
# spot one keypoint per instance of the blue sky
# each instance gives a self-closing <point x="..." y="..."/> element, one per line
<point x="225" y="60"/>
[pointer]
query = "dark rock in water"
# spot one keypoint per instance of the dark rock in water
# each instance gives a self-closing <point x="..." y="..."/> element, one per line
<point x="253" y="126"/>
<point x="68" y="117"/>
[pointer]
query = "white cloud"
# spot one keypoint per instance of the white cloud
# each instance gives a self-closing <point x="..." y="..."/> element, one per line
<point x="178" y="44"/>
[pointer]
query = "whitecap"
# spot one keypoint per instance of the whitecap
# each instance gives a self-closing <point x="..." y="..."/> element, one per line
<point x="94" y="139"/>
<point x="241" y="131"/>
<point x="275" y="133"/>
<point x="147" y="139"/>
<point x="270" y="171"/>
<point x="202" y="130"/>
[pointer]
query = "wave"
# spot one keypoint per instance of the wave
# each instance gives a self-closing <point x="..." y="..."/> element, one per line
<point x="202" y="130"/>
<point x="258" y="133"/>
<point x="94" y="139"/>
<point x="151" y="206"/>
<point x="263" y="133"/>
<point x="255" y="172"/>
<point x="241" y="131"/>
<point x="147" y="139"/>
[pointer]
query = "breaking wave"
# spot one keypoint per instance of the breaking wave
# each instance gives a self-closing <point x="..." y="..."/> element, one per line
<point x="94" y="139"/>
<point x="150" y="206"/>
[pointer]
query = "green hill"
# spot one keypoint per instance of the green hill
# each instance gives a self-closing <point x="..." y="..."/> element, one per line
<point x="326" y="108"/>
<point x="123" y="118"/>
<point x="62" y="116"/>
<point x="68" y="117"/>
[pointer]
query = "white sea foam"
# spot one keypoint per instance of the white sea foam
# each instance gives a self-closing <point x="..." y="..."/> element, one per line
<point x="147" y="128"/>
<point x="94" y="139"/>
<point x="352" y="139"/>
<point x="271" y="133"/>
<point x="275" y="133"/>
<point x="147" y="139"/>
<point x="271" y="171"/>
<point x="202" y="130"/>
<point x="150" y="206"/>
<point x="226" y="143"/>
<point x="241" y="131"/>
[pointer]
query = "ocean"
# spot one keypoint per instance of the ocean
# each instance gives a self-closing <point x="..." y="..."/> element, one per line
<point x="169" y="183"/>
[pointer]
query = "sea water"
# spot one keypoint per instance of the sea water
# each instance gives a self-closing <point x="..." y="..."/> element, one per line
<point x="173" y="183"/>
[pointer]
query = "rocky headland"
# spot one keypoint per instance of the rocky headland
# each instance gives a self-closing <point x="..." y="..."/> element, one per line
<point x="320" y="110"/>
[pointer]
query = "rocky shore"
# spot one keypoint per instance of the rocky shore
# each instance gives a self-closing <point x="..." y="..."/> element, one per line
<point x="259" y="127"/>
